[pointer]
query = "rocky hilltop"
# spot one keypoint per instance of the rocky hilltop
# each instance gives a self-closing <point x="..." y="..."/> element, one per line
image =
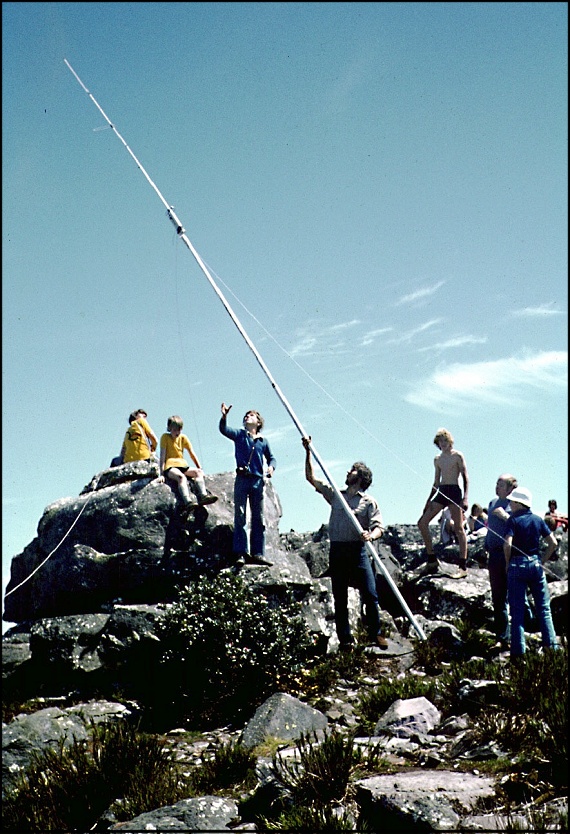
<point x="88" y="591"/>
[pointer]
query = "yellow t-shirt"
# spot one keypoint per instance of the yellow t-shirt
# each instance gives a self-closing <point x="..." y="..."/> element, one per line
<point x="175" y="450"/>
<point x="135" y="442"/>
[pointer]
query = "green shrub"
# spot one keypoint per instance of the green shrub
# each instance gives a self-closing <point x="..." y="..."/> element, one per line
<point x="374" y="703"/>
<point x="69" y="787"/>
<point x="532" y="719"/>
<point x="227" y="647"/>
<point x="451" y="680"/>
<point x="59" y="791"/>
<point x="323" y="673"/>
<point x="301" y="819"/>
<point x="320" y="774"/>
<point x="476" y="641"/>
<point x="137" y="767"/>
<point x="231" y="765"/>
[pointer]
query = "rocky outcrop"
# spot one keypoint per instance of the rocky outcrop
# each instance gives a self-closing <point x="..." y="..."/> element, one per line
<point x="105" y="567"/>
<point x="123" y="538"/>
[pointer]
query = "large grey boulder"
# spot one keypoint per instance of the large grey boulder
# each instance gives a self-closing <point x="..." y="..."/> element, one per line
<point x="284" y="717"/>
<point x="202" y="813"/>
<point x="408" y="717"/>
<point x="428" y="800"/>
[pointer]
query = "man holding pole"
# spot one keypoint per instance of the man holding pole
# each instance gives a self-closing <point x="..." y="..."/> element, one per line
<point x="349" y="563"/>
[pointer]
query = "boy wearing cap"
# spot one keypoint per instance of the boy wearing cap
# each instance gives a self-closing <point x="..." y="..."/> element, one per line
<point x="524" y="569"/>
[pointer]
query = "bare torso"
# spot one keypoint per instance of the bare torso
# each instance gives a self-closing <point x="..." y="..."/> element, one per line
<point x="449" y="465"/>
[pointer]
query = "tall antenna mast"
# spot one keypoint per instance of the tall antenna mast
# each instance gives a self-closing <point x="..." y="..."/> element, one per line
<point x="181" y="232"/>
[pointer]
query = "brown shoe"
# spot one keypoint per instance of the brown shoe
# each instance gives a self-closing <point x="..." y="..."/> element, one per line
<point x="381" y="641"/>
<point x="207" y="499"/>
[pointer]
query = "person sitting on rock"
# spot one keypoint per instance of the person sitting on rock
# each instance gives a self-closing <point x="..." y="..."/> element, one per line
<point x="477" y="523"/>
<point x="447" y="528"/>
<point x="140" y="441"/>
<point x="174" y="467"/>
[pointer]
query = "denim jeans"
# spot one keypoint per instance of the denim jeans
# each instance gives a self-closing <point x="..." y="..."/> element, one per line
<point x="523" y="572"/>
<point x="349" y="565"/>
<point x="498" y="581"/>
<point x="249" y="487"/>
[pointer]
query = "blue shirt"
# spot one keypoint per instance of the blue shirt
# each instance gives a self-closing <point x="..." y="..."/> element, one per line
<point x="527" y="529"/>
<point x="250" y="451"/>
<point x="496" y="527"/>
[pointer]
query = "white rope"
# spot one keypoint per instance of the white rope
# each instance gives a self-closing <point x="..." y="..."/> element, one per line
<point x="58" y="545"/>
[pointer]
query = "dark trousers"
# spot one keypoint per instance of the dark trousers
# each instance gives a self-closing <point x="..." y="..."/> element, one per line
<point x="498" y="581"/>
<point x="349" y="565"/>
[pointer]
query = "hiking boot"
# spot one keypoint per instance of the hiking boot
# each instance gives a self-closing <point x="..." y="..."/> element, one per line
<point x="207" y="499"/>
<point x="347" y="646"/>
<point x="432" y="566"/>
<point x="188" y="508"/>
<point x="381" y="641"/>
<point x="461" y="574"/>
<point x="240" y="559"/>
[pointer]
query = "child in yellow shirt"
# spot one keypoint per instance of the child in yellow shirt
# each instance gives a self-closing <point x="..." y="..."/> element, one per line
<point x="174" y="466"/>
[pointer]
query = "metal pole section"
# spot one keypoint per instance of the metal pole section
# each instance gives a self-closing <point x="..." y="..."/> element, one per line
<point x="181" y="232"/>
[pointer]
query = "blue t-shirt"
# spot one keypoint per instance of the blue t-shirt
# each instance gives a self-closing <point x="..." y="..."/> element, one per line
<point x="527" y="529"/>
<point x="496" y="526"/>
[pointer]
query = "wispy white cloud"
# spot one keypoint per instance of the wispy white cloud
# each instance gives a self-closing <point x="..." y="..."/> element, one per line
<point x="410" y="334"/>
<point x="419" y="295"/>
<point x="457" y="341"/>
<point x="314" y="339"/>
<point x="344" y="325"/>
<point x="540" y="311"/>
<point x="277" y="434"/>
<point x="496" y="382"/>
<point x="370" y="337"/>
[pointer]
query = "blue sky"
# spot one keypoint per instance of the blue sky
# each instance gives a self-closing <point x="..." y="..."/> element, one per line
<point x="380" y="190"/>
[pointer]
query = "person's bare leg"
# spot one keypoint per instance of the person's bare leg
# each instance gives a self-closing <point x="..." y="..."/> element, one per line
<point x="180" y="479"/>
<point x="458" y="522"/>
<point x="430" y="512"/>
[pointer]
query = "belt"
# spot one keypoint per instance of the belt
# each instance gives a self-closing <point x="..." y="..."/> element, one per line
<point x="525" y="558"/>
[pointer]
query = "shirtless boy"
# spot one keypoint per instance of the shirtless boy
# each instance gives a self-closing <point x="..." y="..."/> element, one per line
<point x="446" y="492"/>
